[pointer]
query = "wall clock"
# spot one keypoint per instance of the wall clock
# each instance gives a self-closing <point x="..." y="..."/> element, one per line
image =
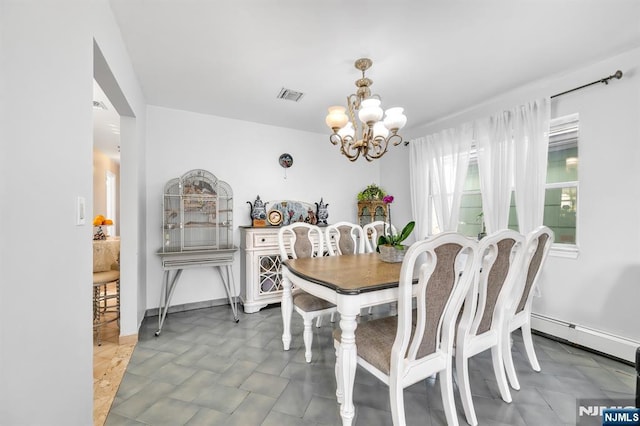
<point x="286" y="160"/>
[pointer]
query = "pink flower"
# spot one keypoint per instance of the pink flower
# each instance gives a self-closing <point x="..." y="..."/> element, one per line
<point x="388" y="199"/>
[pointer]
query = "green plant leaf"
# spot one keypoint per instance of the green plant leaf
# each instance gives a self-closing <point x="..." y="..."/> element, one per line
<point x="406" y="231"/>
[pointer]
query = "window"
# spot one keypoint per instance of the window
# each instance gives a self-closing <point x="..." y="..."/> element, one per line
<point x="111" y="201"/>
<point x="561" y="198"/>
<point x="561" y="191"/>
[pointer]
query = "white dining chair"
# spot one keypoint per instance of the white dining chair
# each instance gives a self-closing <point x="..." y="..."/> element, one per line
<point x="418" y="343"/>
<point x="302" y="240"/>
<point x="344" y="238"/>
<point x="538" y="243"/>
<point x="372" y="231"/>
<point x="484" y="317"/>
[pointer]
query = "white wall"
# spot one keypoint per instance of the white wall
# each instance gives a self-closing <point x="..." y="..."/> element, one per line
<point x="45" y="305"/>
<point x="116" y="77"/>
<point x="601" y="288"/>
<point x="46" y="77"/>
<point x="245" y="155"/>
<point x="394" y="172"/>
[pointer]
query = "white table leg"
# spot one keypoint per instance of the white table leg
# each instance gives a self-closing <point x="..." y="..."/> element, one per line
<point x="348" y="360"/>
<point x="287" y="309"/>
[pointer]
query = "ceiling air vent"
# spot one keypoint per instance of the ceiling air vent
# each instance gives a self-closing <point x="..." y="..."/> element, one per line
<point x="290" y="95"/>
<point x="99" y="105"/>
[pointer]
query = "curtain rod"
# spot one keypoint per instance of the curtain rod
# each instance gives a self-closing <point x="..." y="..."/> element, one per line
<point x="605" y="80"/>
<point x="617" y="74"/>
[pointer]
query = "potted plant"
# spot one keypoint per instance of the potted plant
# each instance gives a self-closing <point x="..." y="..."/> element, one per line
<point x="390" y="245"/>
<point x="371" y="192"/>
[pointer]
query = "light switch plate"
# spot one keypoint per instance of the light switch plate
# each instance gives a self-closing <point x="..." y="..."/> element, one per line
<point x="80" y="211"/>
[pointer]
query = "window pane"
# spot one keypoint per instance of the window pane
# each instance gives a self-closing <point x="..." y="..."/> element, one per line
<point x="470" y="223"/>
<point x="513" y="215"/>
<point x="472" y="182"/>
<point x="562" y="165"/>
<point x="560" y="213"/>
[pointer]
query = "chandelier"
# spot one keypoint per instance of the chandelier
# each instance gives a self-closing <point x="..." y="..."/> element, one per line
<point x="372" y="136"/>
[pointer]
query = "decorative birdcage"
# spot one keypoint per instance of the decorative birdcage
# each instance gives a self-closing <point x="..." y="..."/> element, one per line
<point x="197" y="213"/>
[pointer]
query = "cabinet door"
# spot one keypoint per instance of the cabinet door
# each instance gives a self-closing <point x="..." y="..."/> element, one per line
<point x="269" y="280"/>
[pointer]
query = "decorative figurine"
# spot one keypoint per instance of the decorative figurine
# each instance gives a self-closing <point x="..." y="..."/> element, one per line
<point x="322" y="212"/>
<point x="258" y="212"/>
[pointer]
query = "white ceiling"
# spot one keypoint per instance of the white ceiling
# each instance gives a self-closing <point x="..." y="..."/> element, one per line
<point x="232" y="58"/>
<point x="106" y="125"/>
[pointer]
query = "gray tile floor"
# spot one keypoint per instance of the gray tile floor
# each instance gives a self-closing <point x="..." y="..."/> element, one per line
<point x="204" y="369"/>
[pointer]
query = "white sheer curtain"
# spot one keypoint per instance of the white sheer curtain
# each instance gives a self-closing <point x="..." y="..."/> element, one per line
<point x="495" y="166"/>
<point x="419" y="186"/>
<point x="531" y="139"/>
<point x="448" y="154"/>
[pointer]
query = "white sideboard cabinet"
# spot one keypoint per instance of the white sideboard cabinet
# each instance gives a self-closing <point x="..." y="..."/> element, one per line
<point x="260" y="267"/>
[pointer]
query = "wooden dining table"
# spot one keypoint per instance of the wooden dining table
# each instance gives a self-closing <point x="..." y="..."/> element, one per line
<point x="351" y="282"/>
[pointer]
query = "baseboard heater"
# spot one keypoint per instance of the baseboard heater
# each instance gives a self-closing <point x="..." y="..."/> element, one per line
<point x="603" y="343"/>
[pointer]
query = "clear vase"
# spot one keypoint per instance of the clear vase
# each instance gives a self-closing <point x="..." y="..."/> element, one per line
<point x="392" y="254"/>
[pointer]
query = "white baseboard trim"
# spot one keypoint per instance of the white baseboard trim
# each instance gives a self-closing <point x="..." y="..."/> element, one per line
<point x="153" y="312"/>
<point x="597" y="340"/>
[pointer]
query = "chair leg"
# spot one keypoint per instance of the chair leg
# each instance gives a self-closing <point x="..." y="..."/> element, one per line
<point x="528" y="345"/>
<point x="462" y="372"/>
<point x="507" y="356"/>
<point x="118" y="300"/>
<point x="396" y="399"/>
<point x="319" y="321"/>
<point x="333" y="317"/>
<point x="446" y="389"/>
<point x="96" y="313"/>
<point x="308" y="339"/>
<point x="498" y="369"/>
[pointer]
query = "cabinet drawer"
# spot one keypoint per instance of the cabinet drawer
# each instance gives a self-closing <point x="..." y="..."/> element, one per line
<point x="265" y="240"/>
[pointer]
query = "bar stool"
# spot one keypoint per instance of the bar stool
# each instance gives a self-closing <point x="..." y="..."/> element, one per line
<point x="106" y="285"/>
<point x="102" y="298"/>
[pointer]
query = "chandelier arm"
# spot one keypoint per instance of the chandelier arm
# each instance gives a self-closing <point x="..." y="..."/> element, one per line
<point x="380" y="146"/>
<point x="346" y="148"/>
<point x="395" y="138"/>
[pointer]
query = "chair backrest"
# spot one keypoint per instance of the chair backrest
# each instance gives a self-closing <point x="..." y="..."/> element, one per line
<point x="372" y="231"/>
<point x="537" y="248"/>
<point x="501" y="255"/>
<point x="445" y="266"/>
<point x="300" y="240"/>
<point x="344" y="238"/>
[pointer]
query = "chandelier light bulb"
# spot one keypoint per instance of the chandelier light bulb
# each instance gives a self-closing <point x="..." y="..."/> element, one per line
<point x="347" y="131"/>
<point x="336" y="119"/>
<point x="395" y="119"/>
<point x="379" y="129"/>
<point x="370" y="111"/>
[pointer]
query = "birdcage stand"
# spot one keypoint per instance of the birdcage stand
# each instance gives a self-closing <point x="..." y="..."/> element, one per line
<point x="174" y="263"/>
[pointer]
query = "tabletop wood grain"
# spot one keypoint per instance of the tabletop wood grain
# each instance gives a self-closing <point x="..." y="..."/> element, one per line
<point x="347" y="274"/>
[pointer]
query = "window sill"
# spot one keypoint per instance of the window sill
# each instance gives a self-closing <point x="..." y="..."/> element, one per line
<point x="567" y="251"/>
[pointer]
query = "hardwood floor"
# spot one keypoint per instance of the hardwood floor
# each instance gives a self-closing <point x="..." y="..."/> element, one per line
<point x="110" y="361"/>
